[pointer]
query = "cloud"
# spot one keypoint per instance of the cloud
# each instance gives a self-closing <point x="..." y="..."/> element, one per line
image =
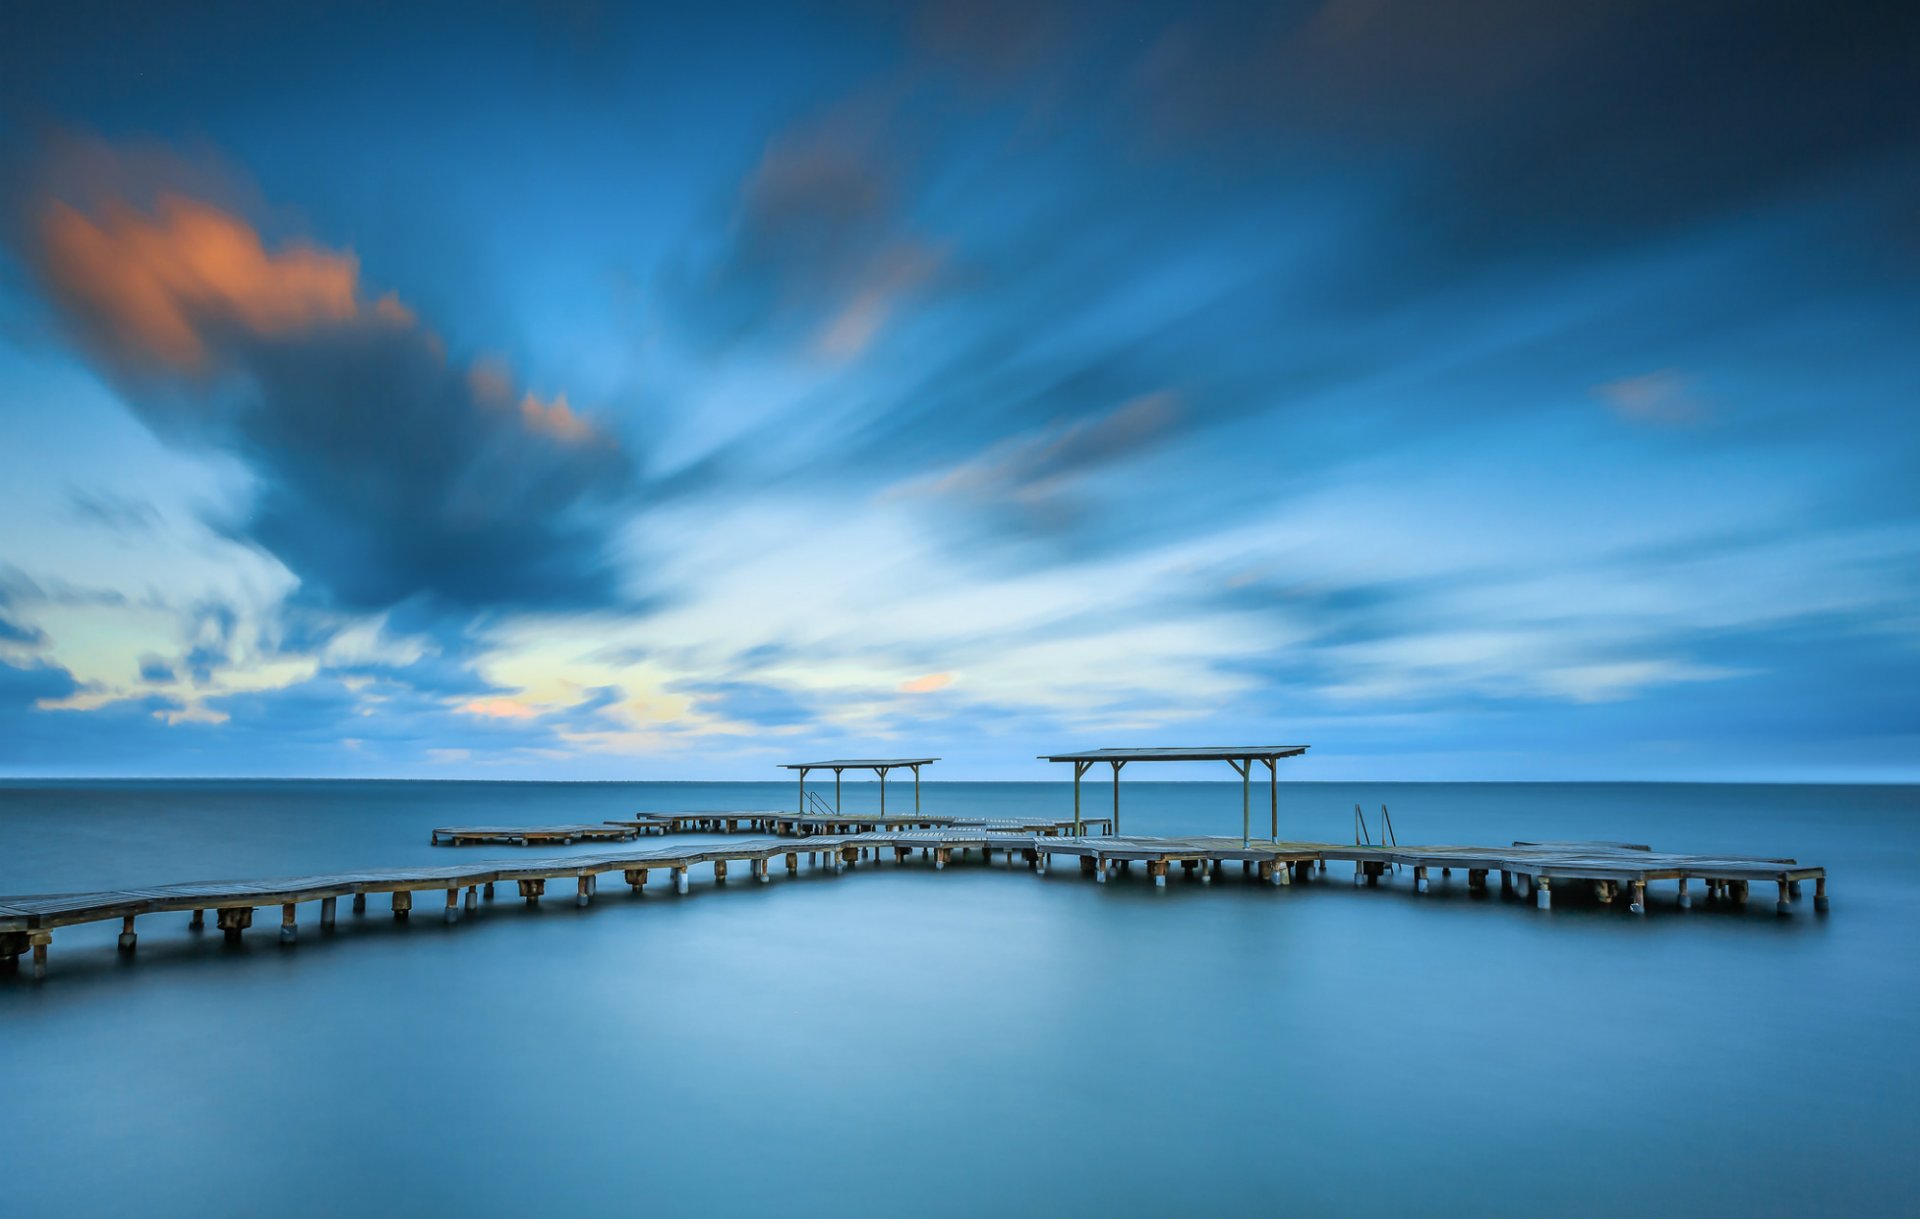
<point x="155" y="670"/>
<point x="385" y="474"/>
<point x="120" y="514"/>
<point x="927" y="684"/>
<point x="1661" y="397"/>
<point x="1033" y="476"/>
<point x="820" y="251"/>
<point x="499" y="709"/>
<point x="759" y="704"/>
<point x="166" y="287"/>
<point x="1512" y="129"/>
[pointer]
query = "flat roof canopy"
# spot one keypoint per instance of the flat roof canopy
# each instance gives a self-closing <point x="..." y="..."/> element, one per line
<point x="857" y="763"/>
<point x="879" y="766"/>
<point x="1240" y="757"/>
<point x="1181" y="753"/>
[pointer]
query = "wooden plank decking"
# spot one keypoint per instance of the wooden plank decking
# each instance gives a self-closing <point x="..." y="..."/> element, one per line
<point x="27" y="923"/>
<point x="801" y="825"/>
<point x="530" y="835"/>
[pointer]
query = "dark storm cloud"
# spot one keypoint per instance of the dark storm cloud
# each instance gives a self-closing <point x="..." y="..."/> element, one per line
<point x="1508" y="126"/>
<point x="386" y="474"/>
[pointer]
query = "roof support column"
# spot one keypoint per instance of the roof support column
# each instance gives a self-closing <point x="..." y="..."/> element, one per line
<point x="1116" y="798"/>
<point x="1273" y="788"/>
<point x="1243" y="766"/>
<point x="1079" y="768"/>
<point x="802" y="810"/>
<point x="883" y="791"/>
<point x="916" y="791"/>
<point x="836" y="791"/>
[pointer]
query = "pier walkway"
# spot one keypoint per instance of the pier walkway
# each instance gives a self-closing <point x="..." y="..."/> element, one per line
<point x="1535" y="869"/>
<point x="530" y="835"/>
<point x="802" y="825"/>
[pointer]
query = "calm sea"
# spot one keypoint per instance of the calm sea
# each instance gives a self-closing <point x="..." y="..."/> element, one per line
<point x="901" y="1042"/>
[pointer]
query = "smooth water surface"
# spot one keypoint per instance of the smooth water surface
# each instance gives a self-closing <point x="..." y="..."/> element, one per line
<point x="899" y="1041"/>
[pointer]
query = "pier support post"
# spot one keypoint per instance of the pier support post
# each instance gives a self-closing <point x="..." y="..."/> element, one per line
<point x="1086" y="865"/>
<point x="1419" y="880"/>
<point x="328" y="905"/>
<point x="1784" y="905"/>
<point x="1283" y="874"/>
<point x="197" y="921"/>
<point x="719" y="871"/>
<point x="1686" y="898"/>
<point x="1040" y="861"/>
<point x="679" y="880"/>
<point x="452" y="912"/>
<point x="793" y="862"/>
<point x="402" y="904"/>
<point x="1157" y="868"/>
<point x="1267" y="870"/>
<point x="1543" y="893"/>
<point x="38" y="941"/>
<point x="1506" y="881"/>
<point x="233" y="920"/>
<point x="472" y="902"/>
<point x="530" y="890"/>
<point x="359" y="903"/>
<point x="1820" y="894"/>
<point x="1740" y="892"/>
<point x="289" y="928"/>
<point x="1639" y="905"/>
<point x="1476" y="880"/>
<point x="486" y="891"/>
<point x="127" y="938"/>
<point x="1793" y="889"/>
<point x="1100" y="871"/>
<point x="940" y="859"/>
<point x="636" y="878"/>
<point x="12" y="944"/>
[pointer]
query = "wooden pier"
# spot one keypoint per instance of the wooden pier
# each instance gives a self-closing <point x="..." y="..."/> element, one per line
<point x="531" y="835"/>
<point x="751" y="821"/>
<point x="799" y="825"/>
<point x="1531" y="870"/>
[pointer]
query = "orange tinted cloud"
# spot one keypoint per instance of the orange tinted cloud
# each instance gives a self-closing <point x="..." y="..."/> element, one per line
<point x="157" y="285"/>
<point x="927" y="684"/>
<point x="555" y="419"/>
<point x="498" y="709"/>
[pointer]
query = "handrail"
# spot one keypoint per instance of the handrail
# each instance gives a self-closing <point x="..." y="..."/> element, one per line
<point x="819" y="805"/>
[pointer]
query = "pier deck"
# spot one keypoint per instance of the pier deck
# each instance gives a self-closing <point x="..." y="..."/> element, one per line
<point x="27" y="923"/>
<point x="530" y="835"/>
<point x="802" y="825"/>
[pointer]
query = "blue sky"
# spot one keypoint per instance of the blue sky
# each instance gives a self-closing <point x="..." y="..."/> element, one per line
<point x="1472" y="391"/>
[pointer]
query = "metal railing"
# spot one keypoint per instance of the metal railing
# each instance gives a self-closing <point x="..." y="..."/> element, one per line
<point x="1363" y="836"/>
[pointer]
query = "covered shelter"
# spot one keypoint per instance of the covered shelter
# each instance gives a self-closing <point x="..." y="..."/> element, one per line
<point x="878" y="765"/>
<point x="1241" y="757"/>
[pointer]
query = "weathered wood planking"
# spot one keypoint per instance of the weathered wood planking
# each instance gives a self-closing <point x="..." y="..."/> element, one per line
<point x="808" y="824"/>
<point x="531" y="835"/>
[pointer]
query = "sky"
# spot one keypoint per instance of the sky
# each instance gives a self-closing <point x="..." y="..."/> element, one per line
<point x="1490" y="390"/>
